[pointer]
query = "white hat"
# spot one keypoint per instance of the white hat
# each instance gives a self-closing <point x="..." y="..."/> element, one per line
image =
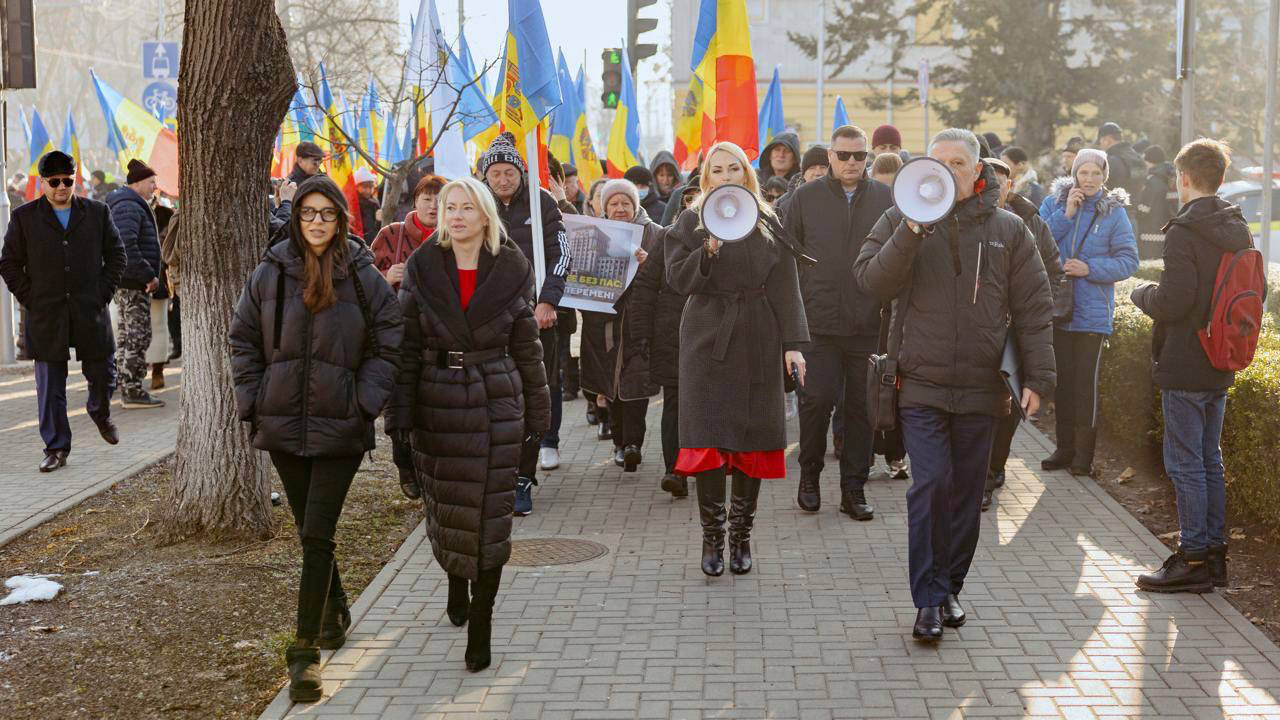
<point x="364" y="175"/>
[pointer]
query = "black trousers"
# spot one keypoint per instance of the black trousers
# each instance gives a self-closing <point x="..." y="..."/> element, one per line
<point x="670" y="426"/>
<point x="836" y="364"/>
<point x="551" y="438"/>
<point x="1076" y="400"/>
<point x="316" y="489"/>
<point x="175" y="324"/>
<point x="628" y="418"/>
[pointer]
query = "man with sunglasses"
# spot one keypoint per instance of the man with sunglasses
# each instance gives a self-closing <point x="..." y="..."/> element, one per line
<point x="62" y="260"/>
<point x="830" y="217"/>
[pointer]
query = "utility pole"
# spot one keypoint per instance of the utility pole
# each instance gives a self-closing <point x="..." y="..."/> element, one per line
<point x="8" y="351"/>
<point x="822" y="70"/>
<point x="1269" y="130"/>
<point x="1188" y="71"/>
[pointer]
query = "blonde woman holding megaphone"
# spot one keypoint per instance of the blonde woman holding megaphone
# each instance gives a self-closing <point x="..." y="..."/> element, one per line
<point x="743" y="317"/>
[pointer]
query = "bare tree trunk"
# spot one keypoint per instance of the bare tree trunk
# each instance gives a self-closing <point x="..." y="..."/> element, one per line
<point x="236" y="82"/>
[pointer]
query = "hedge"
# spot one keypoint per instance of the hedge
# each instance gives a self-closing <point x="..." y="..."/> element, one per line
<point x="1151" y="269"/>
<point x="1130" y="404"/>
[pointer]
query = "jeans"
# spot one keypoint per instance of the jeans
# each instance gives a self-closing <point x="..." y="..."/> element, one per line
<point x="51" y="397"/>
<point x="551" y="361"/>
<point x="670" y="426"/>
<point x="949" y="457"/>
<point x="1193" y="459"/>
<point x="836" y="366"/>
<point x="316" y="489"/>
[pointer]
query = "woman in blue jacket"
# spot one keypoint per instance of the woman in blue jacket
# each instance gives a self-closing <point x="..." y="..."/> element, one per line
<point x="1098" y="249"/>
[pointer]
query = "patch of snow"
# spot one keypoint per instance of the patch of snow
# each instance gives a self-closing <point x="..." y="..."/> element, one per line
<point x="91" y="573"/>
<point x="5" y="656"/>
<point x="28" y="588"/>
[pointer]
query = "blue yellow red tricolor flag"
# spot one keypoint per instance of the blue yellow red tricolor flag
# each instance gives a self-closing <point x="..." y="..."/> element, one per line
<point x="771" y="118"/>
<point x="565" y="116"/>
<point x="71" y="146"/>
<point x="624" y="136"/>
<point x="340" y="169"/>
<point x="722" y="59"/>
<point x="135" y="133"/>
<point x="40" y="144"/>
<point x="584" y="149"/>
<point x="689" y="125"/>
<point x="530" y="88"/>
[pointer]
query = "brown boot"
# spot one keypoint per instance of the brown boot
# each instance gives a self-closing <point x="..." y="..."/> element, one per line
<point x="157" y="376"/>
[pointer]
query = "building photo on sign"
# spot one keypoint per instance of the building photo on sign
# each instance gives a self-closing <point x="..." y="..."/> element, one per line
<point x="604" y="261"/>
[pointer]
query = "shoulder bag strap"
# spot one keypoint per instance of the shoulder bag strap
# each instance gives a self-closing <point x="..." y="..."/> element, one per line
<point x="370" y="335"/>
<point x="275" y="340"/>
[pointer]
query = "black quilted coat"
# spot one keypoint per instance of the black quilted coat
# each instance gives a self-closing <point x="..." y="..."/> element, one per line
<point x="312" y="384"/>
<point x="469" y="423"/>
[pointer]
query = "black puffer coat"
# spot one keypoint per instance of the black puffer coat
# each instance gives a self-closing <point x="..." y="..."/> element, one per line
<point x="962" y="288"/>
<point x="312" y="384"/>
<point x="468" y="424"/>
<point x="615" y="349"/>
<point x="137" y="227"/>
<point x="655" y="308"/>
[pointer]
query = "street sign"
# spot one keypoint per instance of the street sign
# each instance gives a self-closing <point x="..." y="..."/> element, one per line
<point x="159" y="60"/>
<point x="161" y="100"/>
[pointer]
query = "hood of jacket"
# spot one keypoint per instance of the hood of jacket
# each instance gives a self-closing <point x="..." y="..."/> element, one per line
<point x="288" y="255"/>
<point x="1021" y="206"/>
<point x="1106" y="199"/>
<point x="665" y="158"/>
<point x="1215" y="221"/>
<point x="789" y="139"/>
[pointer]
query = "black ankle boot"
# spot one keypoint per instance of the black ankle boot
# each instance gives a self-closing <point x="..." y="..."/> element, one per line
<point x="603" y="431"/>
<point x="304" y="673"/>
<point x="710" y="486"/>
<point x="1060" y="459"/>
<point x="676" y="485"/>
<point x="480" y="620"/>
<point x="808" y="494"/>
<point x="1218" y="565"/>
<point x="1182" y="572"/>
<point x="1086" y="439"/>
<point x="742" y="515"/>
<point x="336" y="624"/>
<point x="459" y="601"/>
<point x="853" y="502"/>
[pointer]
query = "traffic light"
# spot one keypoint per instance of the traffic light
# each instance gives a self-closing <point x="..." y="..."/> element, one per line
<point x="637" y="26"/>
<point x="611" y="77"/>
<point x="17" y="28"/>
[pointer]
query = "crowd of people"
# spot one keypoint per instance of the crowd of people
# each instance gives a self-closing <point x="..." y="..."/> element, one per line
<point x="432" y="321"/>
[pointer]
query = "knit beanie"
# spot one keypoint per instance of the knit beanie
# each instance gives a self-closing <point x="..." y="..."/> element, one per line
<point x="816" y="155"/>
<point x="501" y="150"/>
<point x="1154" y="154"/>
<point x="639" y="175"/>
<point x="138" y="171"/>
<point x="619" y="185"/>
<point x="886" y="135"/>
<point x="1090" y="155"/>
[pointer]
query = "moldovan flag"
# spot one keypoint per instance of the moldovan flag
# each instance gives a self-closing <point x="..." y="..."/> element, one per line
<point x="771" y="119"/>
<point x="563" y="118"/>
<point x="340" y="170"/>
<point x="584" y="150"/>
<point x="135" y="133"/>
<point x="530" y="88"/>
<point x="722" y="58"/>
<point x="689" y="125"/>
<point x="40" y="144"/>
<point x="624" y="136"/>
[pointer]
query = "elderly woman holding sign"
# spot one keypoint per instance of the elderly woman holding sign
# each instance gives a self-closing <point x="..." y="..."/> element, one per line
<point x="743" y="314"/>
<point x="615" y="355"/>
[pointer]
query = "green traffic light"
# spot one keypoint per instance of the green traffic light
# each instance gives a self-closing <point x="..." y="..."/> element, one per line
<point x="615" y="57"/>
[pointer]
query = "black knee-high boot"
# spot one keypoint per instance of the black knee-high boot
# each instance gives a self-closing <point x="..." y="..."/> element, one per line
<point x="459" y="600"/>
<point x="710" y="487"/>
<point x="483" y="593"/>
<point x="742" y="515"/>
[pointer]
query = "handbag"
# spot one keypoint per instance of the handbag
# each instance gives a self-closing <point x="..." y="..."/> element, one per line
<point x="883" y="382"/>
<point x="1064" y="301"/>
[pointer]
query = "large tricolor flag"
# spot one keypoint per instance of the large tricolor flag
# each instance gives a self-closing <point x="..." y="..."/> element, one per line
<point x="624" y="135"/>
<point x="563" y="118"/>
<point x="135" y="133"/>
<point x="40" y="144"/>
<point x="689" y="125"/>
<point x="530" y="87"/>
<point x="584" y="150"/>
<point x="722" y="59"/>
<point x="427" y="71"/>
<point x="340" y="169"/>
<point x="371" y="130"/>
<point x="771" y="118"/>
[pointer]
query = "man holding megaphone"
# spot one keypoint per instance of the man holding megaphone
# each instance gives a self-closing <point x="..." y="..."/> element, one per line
<point x="962" y="273"/>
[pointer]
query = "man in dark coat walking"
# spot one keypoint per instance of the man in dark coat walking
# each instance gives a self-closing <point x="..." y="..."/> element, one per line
<point x="62" y="260"/>
<point x="830" y="218"/>
<point x="131" y="213"/>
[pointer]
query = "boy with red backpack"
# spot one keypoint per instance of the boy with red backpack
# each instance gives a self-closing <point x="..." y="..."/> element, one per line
<point x="1207" y="309"/>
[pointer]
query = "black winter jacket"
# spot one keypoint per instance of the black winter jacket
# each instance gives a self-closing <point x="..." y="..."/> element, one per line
<point x="655" y="309"/>
<point x="137" y="227"/>
<point x="469" y="423"/>
<point x="312" y="384"/>
<point x="832" y="229"/>
<point x="1125" y="168"/>
<point x="958" y="288"/>
<point x="64" y="278"/>
<point x="1194" y="243"/>
<point x="555" y="242"/>
<point x="1154" y="208"/>
<point x="1048" y="247"/>
<point x="788" y="139"/>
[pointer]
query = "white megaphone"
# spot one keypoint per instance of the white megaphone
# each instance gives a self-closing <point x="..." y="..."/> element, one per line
<point x="730" y="213"/>
<point x="924" y="191"/>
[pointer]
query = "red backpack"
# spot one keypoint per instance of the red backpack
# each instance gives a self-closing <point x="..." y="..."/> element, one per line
<point x="1235" y="315"/>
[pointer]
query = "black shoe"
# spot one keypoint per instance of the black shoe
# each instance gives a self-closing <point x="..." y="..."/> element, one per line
<point x="854" y="504"/>
<point x="676" y="485"/>
<point x="1059" y="460"/>
<point x="53" y="459"/>
<point x="304" y="674"/>
<point x="459" y="601"/>
<point x="1218" y="565"/>
<point x="108" y="431"/>
<point x="928" y="624"/>
<point x="742" y="514"/>
<point x="986" y="500"/>
<point x="952" y="613"/>
<point x="619" y="456"/>
<point x="603" y="431"/>
<point x="808" y="495"/>
<point x="566" y="395"/>
<point x="592" y="418"/>
<point x="336" y="624"/>
<point x="711" y="512"/>
<point x="480" y="620"/>
<point x="631" y="458"/>
<point x="409" y="484"/>
<point x="998" y="480"/>
<point x="1182" y="572"/>
<point x="141" y="401"/>
<point x="1082" y="462"/>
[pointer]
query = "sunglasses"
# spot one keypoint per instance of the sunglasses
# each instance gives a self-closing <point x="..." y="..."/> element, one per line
<point x="844" y="155"/>
<point x="308" y="214"/>
<point x="60" y="182"/>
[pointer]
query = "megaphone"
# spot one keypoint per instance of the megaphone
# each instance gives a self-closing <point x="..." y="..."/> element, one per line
<point x="730" y="213"/>
<point x="924" y="191"/>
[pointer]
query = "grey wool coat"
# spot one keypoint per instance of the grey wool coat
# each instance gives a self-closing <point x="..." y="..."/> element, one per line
<point x="469" y="423"/>
<point x="744" y="310"/>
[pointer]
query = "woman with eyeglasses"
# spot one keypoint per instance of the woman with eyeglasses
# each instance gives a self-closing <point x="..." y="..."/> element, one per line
<point x="742" y="328"/>
<point x="314" y="352"/>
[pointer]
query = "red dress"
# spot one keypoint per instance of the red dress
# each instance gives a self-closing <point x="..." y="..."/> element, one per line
<point x="764" y="464"/>
<point x="466" y="286"/>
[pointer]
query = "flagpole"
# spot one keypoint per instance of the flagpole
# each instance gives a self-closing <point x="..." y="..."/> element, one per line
<point x="535" y="215"/>
<point x="8" y="352"/>
<point x="822" y="54"/>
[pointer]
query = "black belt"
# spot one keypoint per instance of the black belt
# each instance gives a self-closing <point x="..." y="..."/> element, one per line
<point x="735" y="301"/>
<point x="458" y="359"/>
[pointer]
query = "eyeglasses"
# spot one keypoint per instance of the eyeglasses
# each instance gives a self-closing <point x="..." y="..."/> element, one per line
<point x="60" y="182"/>
<point x="308" y="214"/>
<point x="844" y="155"/>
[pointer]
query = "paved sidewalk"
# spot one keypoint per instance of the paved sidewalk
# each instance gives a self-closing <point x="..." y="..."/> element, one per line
<point x="30" y="497"/>
<point x="820" y="628"/>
